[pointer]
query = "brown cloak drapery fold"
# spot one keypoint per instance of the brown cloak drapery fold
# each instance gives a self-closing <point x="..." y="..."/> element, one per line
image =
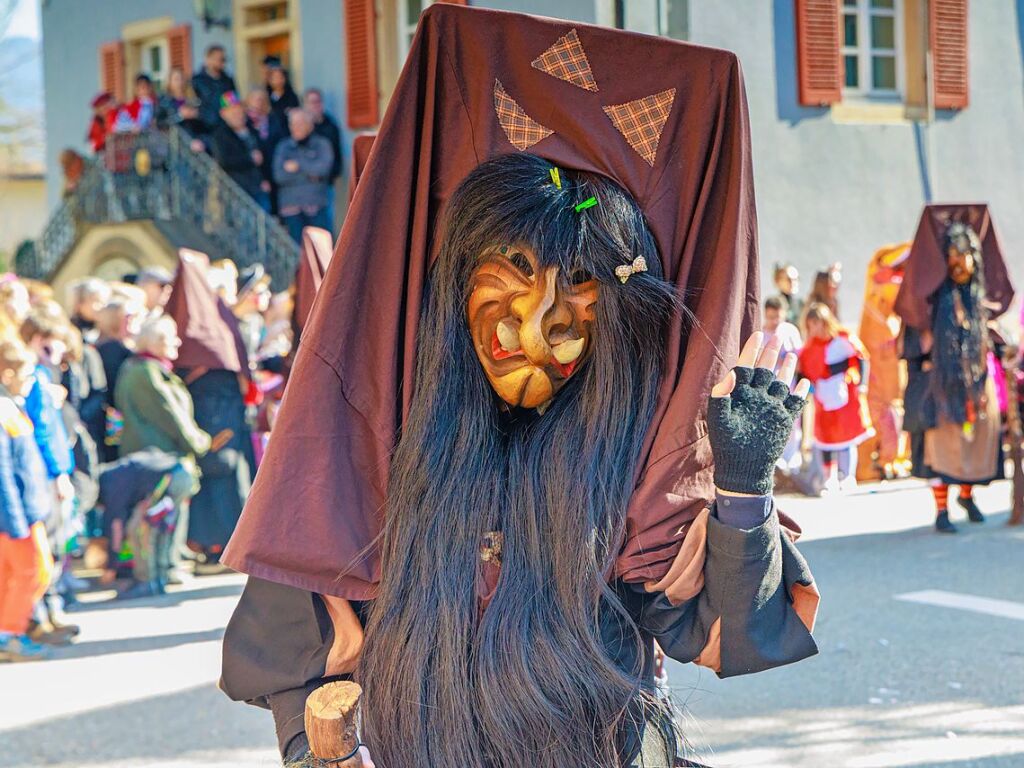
<point x="209" y="333"/>
<point x="926" y="266"/>
<point x="361" y="146"/>
<point x="317" y="245"/>
<point x="666" y="120"/>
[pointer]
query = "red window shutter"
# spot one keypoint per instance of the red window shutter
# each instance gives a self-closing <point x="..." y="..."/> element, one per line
<point x="947" y="32"/>
<point x="819" y="66"/>
<point x="179" y="43"/>
<point x="112" y="68"/>
<point x="361" y="59"/>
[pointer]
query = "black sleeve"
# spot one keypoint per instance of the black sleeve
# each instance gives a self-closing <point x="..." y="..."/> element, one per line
<point x="838" y="367"/>
<point x="912" y="349"/>
<point x="749" y="577"/>
<point x="209" y="108"/>
<point x="275" y="652"/>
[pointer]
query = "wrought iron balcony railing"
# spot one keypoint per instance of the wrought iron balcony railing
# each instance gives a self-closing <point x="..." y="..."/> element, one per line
<point x="157" y="176"/>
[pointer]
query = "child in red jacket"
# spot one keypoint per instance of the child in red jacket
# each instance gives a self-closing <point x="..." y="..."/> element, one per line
<point x="837" y="365"/>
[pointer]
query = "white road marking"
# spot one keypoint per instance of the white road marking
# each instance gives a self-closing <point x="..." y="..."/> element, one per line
<point x="1004" y="609"/>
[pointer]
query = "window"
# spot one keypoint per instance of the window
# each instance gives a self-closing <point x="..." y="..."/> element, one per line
<point x="872" y="61"/>
<point x="408" y="17"/>
<point x="154" y="60"/>
<point x="668" y="18"/>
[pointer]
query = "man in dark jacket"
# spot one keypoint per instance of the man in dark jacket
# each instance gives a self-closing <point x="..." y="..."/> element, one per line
<point x="326" y="126"/>
<point x="236" y="149"/>
<point x="212" y="83"/>
<point x="302" y="165"/>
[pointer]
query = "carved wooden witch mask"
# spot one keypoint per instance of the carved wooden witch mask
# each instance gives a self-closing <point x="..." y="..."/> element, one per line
<point x="531" y="325"/>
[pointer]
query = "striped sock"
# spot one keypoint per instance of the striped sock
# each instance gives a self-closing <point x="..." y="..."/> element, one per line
<point x="941" y="493"/>
<point x="966" y="491"/>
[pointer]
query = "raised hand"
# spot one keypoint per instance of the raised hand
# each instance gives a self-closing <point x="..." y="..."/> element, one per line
<point x="750" y="417"/>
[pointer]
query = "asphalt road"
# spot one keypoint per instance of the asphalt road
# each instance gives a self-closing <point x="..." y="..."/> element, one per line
<point x="921" y="663"/>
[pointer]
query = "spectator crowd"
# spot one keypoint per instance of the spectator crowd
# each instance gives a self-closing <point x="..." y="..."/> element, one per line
<point x="127" y="438"/>
<point x="282" y="150"/>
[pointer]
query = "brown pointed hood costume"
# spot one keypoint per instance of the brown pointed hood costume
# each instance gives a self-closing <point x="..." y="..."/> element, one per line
<point x="665" y="120"/>
<point x="361" y="146"/>
<point x="209" y="333"/>
<point x="926" y="265"/>
<point x="317" y="246"/>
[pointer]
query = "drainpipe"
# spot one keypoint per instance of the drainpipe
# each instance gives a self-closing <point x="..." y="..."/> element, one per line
<point x="929" y="102"/>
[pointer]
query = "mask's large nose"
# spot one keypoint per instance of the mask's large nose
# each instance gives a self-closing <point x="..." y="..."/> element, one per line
<point x="538" y="310"/>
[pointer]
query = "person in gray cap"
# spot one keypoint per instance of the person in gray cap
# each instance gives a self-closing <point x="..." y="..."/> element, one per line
<point x="156" y="282"/>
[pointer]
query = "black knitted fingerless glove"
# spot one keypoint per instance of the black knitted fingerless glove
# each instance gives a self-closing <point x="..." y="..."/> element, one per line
<point x="749" y="429"/>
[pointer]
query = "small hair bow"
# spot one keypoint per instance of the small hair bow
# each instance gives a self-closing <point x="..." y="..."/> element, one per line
<point x="626" y="271"/>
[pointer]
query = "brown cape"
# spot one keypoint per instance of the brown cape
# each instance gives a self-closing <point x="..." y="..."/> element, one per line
<point x="361" y="146"/>
<point x="926" y="266"/>
<point x="317" y="245"/>
<point x="666" y="120"/>
<point x="210" y="337"/>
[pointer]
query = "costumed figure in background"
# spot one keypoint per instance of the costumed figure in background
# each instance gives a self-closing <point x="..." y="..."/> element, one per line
<point x="317" y="246"/>
<point x="887" y="453"/>
<point x="837" y="364"/>
<point x="955" y="282"/>
<point x="492" y="484"/>
<point x="213" y="363"/>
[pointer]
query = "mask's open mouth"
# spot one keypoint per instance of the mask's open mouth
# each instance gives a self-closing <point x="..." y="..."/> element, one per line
<point x="565" y="356"/>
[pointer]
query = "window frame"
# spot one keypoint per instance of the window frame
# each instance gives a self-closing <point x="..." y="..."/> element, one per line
<point x="145" y="46"/>
<point x="653" y="21"/>
<point x="407" y="29"/>
<point x="865" y="51"/>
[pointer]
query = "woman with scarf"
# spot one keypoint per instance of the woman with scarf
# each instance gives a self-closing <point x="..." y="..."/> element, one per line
<point x="158" y="415"/>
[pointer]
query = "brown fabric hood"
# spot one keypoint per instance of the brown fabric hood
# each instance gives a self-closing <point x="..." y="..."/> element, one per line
<point x="926" y="265"/>
<point x="361" y="146"/>
<point x="666" y="120"/>
<point x="317" y="245"/>
<point x="210" y="337"/>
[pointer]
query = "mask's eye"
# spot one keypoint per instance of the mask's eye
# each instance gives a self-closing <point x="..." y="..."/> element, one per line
<point x="580" y="276"/>
<point x="518" y="258"/>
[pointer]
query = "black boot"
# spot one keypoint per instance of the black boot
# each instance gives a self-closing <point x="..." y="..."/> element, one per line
<point x="969" y="506"/>
<point x="942" y="524"/>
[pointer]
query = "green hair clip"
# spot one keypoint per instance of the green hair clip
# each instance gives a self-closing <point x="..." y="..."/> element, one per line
<point x="590" y="202"/>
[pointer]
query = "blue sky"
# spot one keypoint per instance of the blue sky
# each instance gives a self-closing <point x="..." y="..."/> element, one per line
<point x="21" y="88"/>
<point x="25" y="22"/>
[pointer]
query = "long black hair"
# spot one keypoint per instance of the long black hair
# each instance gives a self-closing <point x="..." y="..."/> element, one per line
<point x="526" y="681"/>
<point x="960" y="350"/>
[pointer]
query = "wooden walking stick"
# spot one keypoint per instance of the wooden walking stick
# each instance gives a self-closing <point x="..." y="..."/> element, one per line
<point x="331" y="712"/>
<point x="1015" y="434"/>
